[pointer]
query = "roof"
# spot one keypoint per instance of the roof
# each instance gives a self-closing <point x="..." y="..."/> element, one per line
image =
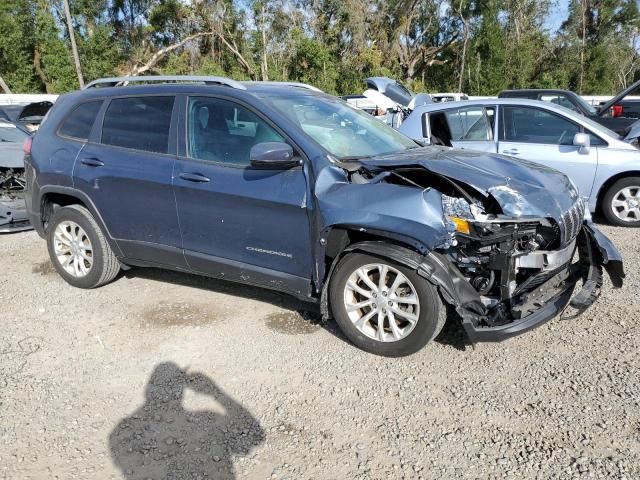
<point x="414" y="120"/>
<point x="495" y="101"/>
<point x="182" y="83"/>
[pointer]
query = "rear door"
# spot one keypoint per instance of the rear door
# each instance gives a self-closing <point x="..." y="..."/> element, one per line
<point x="238" y="222"/>
<point x="545" y="137"/>
<point x="126" y="169"/>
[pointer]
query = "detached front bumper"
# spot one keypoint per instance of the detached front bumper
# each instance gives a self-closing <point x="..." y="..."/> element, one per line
<point x="531" y="309"/>
<point x="13" y="216"/>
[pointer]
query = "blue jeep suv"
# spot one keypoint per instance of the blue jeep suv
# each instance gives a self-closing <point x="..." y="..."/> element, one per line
<point x="282" y="186"/>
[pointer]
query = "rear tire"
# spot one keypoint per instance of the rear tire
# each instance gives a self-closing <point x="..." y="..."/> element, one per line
<point x="621" y="202"/>
<point x="78" y="249"/>
<point x="410" y="307"/>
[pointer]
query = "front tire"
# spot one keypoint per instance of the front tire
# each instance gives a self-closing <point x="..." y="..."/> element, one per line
<point x="78" y="249"/>
<point x="621" y="202"/>
<point x="383" y="307"/>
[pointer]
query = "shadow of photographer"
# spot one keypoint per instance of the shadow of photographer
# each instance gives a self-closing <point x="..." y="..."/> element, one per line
<point x="162" y="440"/>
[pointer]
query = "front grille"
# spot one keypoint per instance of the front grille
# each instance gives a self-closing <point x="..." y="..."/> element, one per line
<point x="571" y="222"/>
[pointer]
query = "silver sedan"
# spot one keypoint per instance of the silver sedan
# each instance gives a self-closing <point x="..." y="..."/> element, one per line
<point x="604" y="166"/>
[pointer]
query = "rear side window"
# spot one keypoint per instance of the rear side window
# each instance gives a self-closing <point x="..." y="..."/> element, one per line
<point x="79" y="122"/>
<point x="141" y="123"/>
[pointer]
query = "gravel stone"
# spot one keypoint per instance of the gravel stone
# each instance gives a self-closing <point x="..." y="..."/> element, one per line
<point x="166" y="375"/>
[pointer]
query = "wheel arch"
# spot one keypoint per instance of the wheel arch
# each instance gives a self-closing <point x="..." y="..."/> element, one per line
<point x="54" y="197"/>
<point x="432" y="266"/>
<point x="609" y="182"/>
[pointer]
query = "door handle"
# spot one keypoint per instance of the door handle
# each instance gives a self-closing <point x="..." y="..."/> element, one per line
<point x="194" y="177"/>
<point x="513" y="151"/>
<point x="92" y="162"/>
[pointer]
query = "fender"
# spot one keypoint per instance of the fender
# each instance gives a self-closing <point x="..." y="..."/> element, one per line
<point x="432" y="266"/>
<point x="88" y="203"/>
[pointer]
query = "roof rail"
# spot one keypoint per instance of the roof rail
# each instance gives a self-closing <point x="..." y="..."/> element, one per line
<point x="121" y="81"/>
<point x="286" y="84"/>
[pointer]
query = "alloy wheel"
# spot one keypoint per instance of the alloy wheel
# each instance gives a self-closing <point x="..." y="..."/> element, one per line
<point x="73" y="249"/>
<point x="381" y="302"/>
<point x="625" y="204"/>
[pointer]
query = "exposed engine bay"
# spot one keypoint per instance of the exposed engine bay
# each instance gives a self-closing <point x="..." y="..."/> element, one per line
<point x="515" y="265"/>
<point x="13" y="217"/>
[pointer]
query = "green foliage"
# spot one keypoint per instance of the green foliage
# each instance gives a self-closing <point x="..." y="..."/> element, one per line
<point x="478" y="46"/>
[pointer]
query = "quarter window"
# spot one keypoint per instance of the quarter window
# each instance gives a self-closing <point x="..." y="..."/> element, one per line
<point x="79" y="122"/>
<point x="533" y="125"/>
<point x="223" y="131"/>
<point x="141" y="123"/>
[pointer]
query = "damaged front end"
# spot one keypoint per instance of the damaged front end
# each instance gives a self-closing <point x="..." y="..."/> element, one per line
<point x="13" y="214"/>
<point x="525" y="272"/>
<point x="504" y="270"/>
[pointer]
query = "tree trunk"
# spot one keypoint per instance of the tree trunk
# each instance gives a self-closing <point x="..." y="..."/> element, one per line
<point x="465" y="29"/>
<point x="4" y="86"/>
<point x="265" y="65"/>
<point x="582" y="46"/>
<point x="74" y="48"/>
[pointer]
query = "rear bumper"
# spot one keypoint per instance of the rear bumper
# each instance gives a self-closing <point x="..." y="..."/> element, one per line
<point x="550" y="299"/>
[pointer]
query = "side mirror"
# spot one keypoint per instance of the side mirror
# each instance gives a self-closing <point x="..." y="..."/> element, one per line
<point x="272" y="155"/>
<point x="583" y="141"/>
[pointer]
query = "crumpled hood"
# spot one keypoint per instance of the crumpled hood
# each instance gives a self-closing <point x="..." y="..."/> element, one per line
<point x="520" y="187"/>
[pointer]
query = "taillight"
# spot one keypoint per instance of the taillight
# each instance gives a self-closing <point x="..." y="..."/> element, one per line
<point x="27" y="145"/>
<point x="617" y="111"/>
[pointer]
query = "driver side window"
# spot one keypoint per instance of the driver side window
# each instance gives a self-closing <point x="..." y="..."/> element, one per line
<point x="533" y="125"/>
<point x="222" y="131"/>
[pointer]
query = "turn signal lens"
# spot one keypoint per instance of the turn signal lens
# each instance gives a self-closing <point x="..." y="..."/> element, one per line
<point x="461" y="224"/>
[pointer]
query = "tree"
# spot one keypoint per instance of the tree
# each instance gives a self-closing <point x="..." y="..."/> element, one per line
<point x="74" y="47"/>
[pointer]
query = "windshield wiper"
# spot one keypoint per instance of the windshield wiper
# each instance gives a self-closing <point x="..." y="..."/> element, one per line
<point x="351" y="158"/>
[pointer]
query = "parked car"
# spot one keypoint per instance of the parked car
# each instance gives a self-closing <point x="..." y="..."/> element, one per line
<point x="365" y="104"/>
<point x="26" y="117"/>
<point x="611" y="114"/>
<point x="605" y="167"/>
<point x="449" y="97"/>
<point x="294" y="190"/>
<point x="17" y="124"/>
<point x="393" y="100"/>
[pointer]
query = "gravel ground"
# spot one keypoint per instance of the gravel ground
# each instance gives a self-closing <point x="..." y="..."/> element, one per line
<point x="164" y="375"/>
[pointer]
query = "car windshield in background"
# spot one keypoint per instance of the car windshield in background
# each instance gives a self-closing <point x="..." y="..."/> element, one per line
<point x="593" y="125"/>
<point x="589" y="108"/>
<point x="11" y="134"/>
<point x="342" y="130"/>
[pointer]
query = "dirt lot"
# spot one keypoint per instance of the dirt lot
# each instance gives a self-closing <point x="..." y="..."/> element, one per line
<point x="164" y="375"/>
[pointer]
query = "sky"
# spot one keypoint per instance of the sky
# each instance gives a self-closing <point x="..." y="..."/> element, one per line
<point x="559" y="12"/>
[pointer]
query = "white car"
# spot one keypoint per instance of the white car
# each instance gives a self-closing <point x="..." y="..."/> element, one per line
<point x="604" y="166"/>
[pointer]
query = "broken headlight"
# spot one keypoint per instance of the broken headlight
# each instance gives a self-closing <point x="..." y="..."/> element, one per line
<point x="458" y="213"/>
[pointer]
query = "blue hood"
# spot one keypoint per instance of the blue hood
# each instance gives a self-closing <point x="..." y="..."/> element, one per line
<point x="520" y="187"/>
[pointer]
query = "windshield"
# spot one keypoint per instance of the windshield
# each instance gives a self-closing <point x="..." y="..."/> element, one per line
<point x="583" y="103"/>
<point x="342" y="130"/>
<point x="594" y="126"/>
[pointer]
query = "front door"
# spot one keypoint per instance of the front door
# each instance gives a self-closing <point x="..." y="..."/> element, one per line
<point x="238" y="222"/>
<point x="545" y="137"/>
